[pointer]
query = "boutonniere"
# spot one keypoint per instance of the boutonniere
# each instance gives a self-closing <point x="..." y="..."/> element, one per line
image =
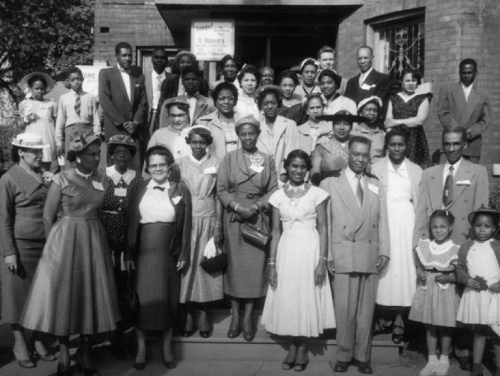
<point x="176" y="199"/>
<point x="464" y="182"/>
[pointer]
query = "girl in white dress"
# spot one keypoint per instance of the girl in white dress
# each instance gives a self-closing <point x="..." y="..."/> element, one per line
<point x="479" y="270"/>
<point x="299" y="302"/>
<point x="436" y="300"/>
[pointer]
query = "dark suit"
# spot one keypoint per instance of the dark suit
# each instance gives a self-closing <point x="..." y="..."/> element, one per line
<point x="473" y="114"/>
<point x="377" y="83"/>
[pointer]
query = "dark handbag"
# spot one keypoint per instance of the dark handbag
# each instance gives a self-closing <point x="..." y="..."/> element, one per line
<point x="131" y="297"/>
<point x="258" y="236"/>
<point x="214" y="264"/>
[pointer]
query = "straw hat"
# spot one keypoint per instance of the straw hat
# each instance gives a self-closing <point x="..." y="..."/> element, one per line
<point x="29" y="140"/>
<point x="48" y="80"/>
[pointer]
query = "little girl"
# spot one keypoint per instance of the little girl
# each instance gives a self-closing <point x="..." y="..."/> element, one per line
<point x="479" y="270"/>
<point x="38" y="114"/>
<point x="436" y="301"/>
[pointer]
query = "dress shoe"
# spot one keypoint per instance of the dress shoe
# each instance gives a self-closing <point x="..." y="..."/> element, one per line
<point x="364" y="367"/>
<point x="464" y="363"/>
<point x="187" y="333"/>
<point x="25" y="363"/>
<point x="231" y="333"/>
<point x="47" y="357"/>
<point x="205" y="333"/>
<point x="140" y="366"/>
<point x="248" y="335"/>
<point x="170" y="365"/>
<point x="299" y="367"/>
<point x="341" y="366"/>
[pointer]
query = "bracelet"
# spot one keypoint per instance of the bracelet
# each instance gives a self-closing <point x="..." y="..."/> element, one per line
<point x="271" y="263"/>
<point x="236" y="207"/>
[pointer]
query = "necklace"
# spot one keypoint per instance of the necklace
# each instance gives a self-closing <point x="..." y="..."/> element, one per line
<point x="256" y="159"/>
<point x="85" y="176"/>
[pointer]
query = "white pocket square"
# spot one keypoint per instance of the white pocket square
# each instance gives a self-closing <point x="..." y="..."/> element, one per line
<point x="464" y="182"/>
<point x="176" y="199"/>
<point x="367" y="87"/>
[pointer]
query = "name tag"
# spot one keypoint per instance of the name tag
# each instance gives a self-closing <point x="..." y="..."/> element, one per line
<point x="210" y="170"/>
<point x="98" y="185"/>
<point x="121" y="192"/>
<point x="257" y="169"/>
<point x="373" y="188"/>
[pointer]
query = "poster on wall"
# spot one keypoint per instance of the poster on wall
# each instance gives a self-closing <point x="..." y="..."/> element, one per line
<point x="91" y="77"/>
<point x="212" y="40"/>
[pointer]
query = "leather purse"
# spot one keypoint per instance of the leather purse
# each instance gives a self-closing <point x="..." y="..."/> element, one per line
<point x="258" y="236"/>
<point x="214" y="264"/>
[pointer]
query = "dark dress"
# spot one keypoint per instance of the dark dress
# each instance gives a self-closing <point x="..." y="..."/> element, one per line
<point x="417" y="149"/>
<point x="22" y="199"/>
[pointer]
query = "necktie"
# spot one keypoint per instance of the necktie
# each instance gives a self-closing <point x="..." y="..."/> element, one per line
<point x="160" y="81"/>
<point x="159" y="188"/>
<point x="359" y="191"/>
<point x="78" y="104"/>
<point x="448" y="188"/>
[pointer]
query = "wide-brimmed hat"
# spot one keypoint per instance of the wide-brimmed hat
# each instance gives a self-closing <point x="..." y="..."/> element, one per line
<point x="29" y="140"/>
<point x="343" y="115"/>
<point x="184" y="53"/>
<point x="176" y="101"/>
<point x="122" y="139"/>
<point x="485" y="210"/>
<point x="81" y="143"/>
<point x="269" y="88"/>
<point x="370" y="99"/>
<point x="250" y="119"/>
<point x="48" y="80"/>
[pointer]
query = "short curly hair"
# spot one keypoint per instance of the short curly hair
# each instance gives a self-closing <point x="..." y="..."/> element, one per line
<point x="225" y="86"/>
<point x="203" y="133"/>
<point x="250" y="69"/>
<point x="330" y="73"/>
<point x="268" y="89"/>
<point x="297" y="153"/>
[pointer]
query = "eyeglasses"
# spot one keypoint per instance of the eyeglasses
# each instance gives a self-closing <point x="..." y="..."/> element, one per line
<point x="161" y="166"/>
<point x="225" y="99"/>
<point x="176" y="115"/>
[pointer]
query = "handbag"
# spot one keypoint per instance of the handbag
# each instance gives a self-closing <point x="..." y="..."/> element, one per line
<point x="258" y="236"/>
<point x="214" y="264"/>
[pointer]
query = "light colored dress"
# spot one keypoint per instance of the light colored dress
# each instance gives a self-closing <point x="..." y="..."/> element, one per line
<point x="201" y="177"/>
<point x="435" y="303"/>
<point x="398" y="281"/>
<point x="475" y="305"/>
<point x="44" y="126"/>
<point x="297" y="307"/>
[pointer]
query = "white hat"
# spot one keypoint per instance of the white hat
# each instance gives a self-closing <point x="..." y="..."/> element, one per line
<point x="48" y="80"/>
<point x="29" y="140"/>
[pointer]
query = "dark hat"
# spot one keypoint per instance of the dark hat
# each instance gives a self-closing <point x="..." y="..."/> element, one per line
<point x="343" y="115"/>
<point x="81" y="143"/>
<point x="484" y="210"/>
<point x="122" y="139"/>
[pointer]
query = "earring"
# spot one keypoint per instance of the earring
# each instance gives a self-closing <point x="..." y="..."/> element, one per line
<point x="78" y="160"/>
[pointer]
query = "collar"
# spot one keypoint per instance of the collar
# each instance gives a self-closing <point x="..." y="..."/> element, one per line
<point x="289" y="187"/>
<point x="401" y="168"/>
<point x="115" y="176"/>
<point x="196" y="95"/>
<point x="162" y="75"/>
<point x="466" y="87"/>
<point x="455" y="166"/>
<point x="199" y="162"/>
<point x="350" y="174"/>
<point x="364" y="75"/>
<point x="122" y="70"/>
<point x="153" y="184"/>
<point x="77" y="93"/>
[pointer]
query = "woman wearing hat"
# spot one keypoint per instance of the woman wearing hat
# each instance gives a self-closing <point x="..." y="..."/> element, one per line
<point x="248" y="78"/>
<point x="330" y="153"/>
<point x="227" y="69"/>
<point x="22" y="198"/>
<point x="245" y="181"/>
<point x="278" y="135"/>
<point x="199" y="174"/>
<point x="158" y="247"/>
<point x="38" y="115"/>
<point x="308" y="70"/>
<point x="329" y="82"/>
<point x="121" y="180"/>
<point x="73" y="290"/>
<point x="371" y="109"/>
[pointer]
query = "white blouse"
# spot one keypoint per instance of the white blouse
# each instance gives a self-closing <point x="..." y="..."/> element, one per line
<point x="155" y="205"/>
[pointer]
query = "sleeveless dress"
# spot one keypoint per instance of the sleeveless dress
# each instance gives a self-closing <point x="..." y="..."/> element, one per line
<point x="200" y="177"/>
<point x="297" y="307"/>
<point x="417" y="149"/>
<point x="436" y="303"/>
<point x="73" y="290"/>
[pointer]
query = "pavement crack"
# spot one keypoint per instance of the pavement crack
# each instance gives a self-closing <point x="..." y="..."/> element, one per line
<point x="260" y="369"/>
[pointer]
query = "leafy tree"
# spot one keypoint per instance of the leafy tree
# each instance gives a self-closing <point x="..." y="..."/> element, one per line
<point x="43" y="35"/>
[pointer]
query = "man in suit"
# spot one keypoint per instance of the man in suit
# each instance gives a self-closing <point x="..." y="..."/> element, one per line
<point x="467" y="105"/>
<point x="369" y="82"/>
<point x="199" y="105"/>
<point x="358" y="251"/>
<point x="122" y="96"/>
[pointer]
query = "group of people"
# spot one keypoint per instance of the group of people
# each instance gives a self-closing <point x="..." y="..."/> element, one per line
<point x="316" y="193"/>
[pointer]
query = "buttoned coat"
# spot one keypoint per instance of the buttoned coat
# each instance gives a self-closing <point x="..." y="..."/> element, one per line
<point x="380" y="86"/>
<point x="473" y="114"/>
<point x="357" y="236"/>
<point x="470" y="191"/>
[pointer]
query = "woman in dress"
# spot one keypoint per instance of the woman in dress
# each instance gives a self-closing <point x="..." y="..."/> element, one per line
<point x="228" y="69"/>
<point x="412" y="110"/>
<point x="288" y="81"/>
<point x="371" y="109"/>
<point x="248" y="78"/>
<point x="199" y="174"/>
<point x="400" y="179"/>
<point x="329" y="82"/>
<point x="308" y="70"/>
<point x="121" y="180"/>
<point x="297" y="263"/>
<point x="22" y="198"/>
<point x="310" y="132"/>
<point x="73" y="290"/>
<point x="245" y="181"/>
<point x="159" y="240"/>
<point x="222" y="121"/>
<point x="38" y="115"/>
<point x="278" y="135"/>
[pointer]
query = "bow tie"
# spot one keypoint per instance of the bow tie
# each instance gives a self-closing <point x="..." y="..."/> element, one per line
<point x="197" y="96"/>
<point x="159" y="188"/>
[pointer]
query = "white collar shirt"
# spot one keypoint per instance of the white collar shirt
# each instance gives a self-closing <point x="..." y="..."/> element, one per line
<point x="126" y="81"/>
<point x="157" y="80"/>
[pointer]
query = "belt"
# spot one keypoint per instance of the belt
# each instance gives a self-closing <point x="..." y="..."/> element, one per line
<point x="434" y="270"/>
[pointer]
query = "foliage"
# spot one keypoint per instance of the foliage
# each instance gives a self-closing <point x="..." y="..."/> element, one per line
<point x="43" y="35"/>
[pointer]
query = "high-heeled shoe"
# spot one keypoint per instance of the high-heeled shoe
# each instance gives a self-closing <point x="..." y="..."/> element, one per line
<point x="170" y="365"/>
<point x="47" y="357"/>
<point x="300" y="367"/>
<point x="248" y="335"/>
<point x="187" y="333"/>
<point x="25" y="363"/>
<point x="232" y="333"/>
<point x="139" y="365"/>
<point x="205" y="333"/>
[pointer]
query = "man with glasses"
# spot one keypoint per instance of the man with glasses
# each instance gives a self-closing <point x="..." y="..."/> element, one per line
<point x="358" y="251"/>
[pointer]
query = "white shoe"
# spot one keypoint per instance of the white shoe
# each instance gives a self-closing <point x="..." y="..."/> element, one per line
<point x="429" y="369"/>
<point x="443" y="368"/>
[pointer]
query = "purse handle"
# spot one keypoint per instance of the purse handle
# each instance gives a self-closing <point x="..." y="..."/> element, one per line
<point x="264" y="220"/>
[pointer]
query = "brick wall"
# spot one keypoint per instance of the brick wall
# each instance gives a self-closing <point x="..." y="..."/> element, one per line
<point x="454" y="30"/>
<point x="136" y="22"/>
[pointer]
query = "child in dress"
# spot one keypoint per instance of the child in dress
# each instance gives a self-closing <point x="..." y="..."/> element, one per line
<point x="38" y="114"/>
<point x="479" y="270"/>
<point x="436" y="301"/>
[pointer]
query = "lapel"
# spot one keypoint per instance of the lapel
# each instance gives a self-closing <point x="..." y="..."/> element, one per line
<point x="464" y="172"/>
<point x="201" y="105"/>
<point x="347" y="195"/>
<point x="305" y="129"/>
<point x="243" y="166"/>
<point x="367" y="202"/>
<point x="119" y="79"/>
<point x="459" y="96"/>
<point x="436" y="187"/>
<point x="279" y="129"/>
<point x="133" y="81"/>
<point x="148" y="82"/>
<point x="370" y="79"/>
<point x="474" y="98"/>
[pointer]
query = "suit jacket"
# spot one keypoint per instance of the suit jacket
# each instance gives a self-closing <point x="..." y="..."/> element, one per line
<point x="203" y="107"/>
<point x="285" y="131"/>
<point x="380" y="86"/>
<point x="473" y="114"/>
<point x="116" y="105"/>
<point x="181" y="242"/>
<point x="149" y="86"/>
<point x="470" y="191"/>
<point x="357" y="236"/>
